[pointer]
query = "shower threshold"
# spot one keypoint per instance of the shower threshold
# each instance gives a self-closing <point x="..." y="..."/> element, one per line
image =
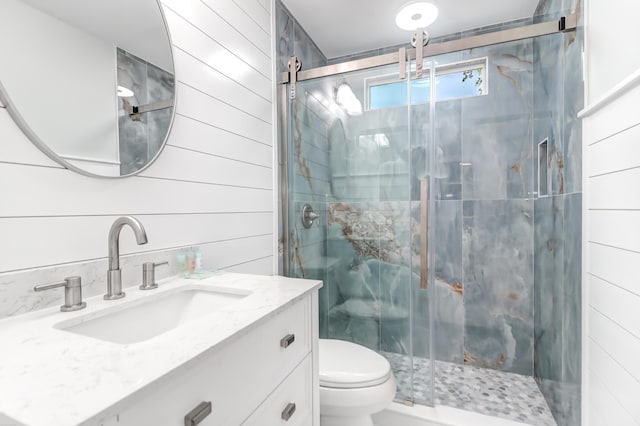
<point x="481" y="390"/>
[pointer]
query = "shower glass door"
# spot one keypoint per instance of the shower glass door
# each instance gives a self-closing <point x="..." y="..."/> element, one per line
<point x="357" y="155"/>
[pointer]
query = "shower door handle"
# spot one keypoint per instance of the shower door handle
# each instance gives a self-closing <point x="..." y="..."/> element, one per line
<point x="424" y="231"/>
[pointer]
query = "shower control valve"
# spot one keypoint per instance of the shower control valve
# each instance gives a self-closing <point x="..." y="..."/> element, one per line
<point x="308" y="215"/>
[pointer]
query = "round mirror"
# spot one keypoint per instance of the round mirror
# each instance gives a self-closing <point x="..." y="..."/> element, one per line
<point x="91" y="83"/>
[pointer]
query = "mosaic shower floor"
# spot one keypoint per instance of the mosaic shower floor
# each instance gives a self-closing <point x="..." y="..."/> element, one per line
<point x="494" y="393"/>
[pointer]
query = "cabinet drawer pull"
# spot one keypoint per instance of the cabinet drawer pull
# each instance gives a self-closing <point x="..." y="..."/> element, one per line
<point x="287" y="340"/>
<point x="288" y="411"/>
<point x="198" y="414"/>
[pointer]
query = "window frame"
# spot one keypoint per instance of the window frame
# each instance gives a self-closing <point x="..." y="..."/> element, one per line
<point x="445" y="69"/>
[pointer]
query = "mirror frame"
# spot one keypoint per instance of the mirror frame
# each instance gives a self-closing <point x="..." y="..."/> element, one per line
<point x="6" y="103"/>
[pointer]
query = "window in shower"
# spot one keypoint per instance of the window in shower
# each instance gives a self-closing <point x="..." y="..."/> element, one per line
<point x="453" y="81"/>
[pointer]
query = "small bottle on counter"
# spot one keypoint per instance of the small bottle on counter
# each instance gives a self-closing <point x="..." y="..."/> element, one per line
<point x="191" y="262"/>
<point x="181" y="263"/>
<point x="198" y="265"/>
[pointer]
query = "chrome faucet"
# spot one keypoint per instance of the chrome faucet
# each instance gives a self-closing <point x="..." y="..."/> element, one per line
<point x="114" y="274"/>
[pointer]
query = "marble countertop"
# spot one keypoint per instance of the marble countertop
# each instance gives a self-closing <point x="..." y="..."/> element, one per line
<point x="53" y="377"/>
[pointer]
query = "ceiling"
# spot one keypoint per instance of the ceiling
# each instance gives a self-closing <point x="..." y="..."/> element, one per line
<point x="344" y="27"/>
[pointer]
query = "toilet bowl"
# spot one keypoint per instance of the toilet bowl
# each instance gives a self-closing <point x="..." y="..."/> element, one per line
<point x="355" y="382"/>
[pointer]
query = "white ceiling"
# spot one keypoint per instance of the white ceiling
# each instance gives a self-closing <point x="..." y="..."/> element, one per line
<point x="344" y="27"/>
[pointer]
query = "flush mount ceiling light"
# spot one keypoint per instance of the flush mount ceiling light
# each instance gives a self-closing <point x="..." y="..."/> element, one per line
<point x="416" y="15"/>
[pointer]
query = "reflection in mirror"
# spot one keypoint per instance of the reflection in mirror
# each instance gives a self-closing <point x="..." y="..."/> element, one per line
<point x="91" y="83"/>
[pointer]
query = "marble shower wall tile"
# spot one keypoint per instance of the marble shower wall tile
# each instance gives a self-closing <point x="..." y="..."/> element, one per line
<point x="548" y="287"/>
<point x="498" y="127"/>
<point x="448" y="145"/>
<point x="376" y="169"/>
<point x="419" y="142"/>
<point x="132" y="135"/>
<point x="308" y="163"/>
<point x="17" y="287"/>
<point x="572" y="313"/>
<point x="449" y="312"/>
<point x="160" y="87"/>
<point x="140" y="140"/>
<point x="309" y="158"/>
<point x="548" y="85"/>
<point x="284" y="31"/>
<point x="498" y="291"/>
<point x="557" y="261"/>
<point x="573" y="103"/>
<point x="373" y="278"/>
<point x="293" y="40"/>
<point x="558" y="305"/>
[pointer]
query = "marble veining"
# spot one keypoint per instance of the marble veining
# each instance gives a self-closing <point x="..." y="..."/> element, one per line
<point x="557" y="228"/>
<point x="18" y="296"/>
<point x="43" y="366"/>
<point x="141" y="137"/>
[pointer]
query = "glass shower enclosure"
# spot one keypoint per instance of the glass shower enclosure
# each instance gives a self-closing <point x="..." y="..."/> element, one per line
<point x="424" y="228"/>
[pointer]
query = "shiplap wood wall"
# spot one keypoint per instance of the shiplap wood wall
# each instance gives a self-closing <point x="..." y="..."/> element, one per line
<point x="612" y="220"/>
<point x="213" y="183"/>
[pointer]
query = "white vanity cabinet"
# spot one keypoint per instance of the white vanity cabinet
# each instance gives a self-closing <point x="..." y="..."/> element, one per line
<point x="266" y="374"/>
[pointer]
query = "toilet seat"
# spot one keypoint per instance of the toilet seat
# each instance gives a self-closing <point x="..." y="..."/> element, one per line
<point x="345" y="365"/>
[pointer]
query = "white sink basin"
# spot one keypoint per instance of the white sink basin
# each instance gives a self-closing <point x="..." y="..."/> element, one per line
<point x="151" y="316"/>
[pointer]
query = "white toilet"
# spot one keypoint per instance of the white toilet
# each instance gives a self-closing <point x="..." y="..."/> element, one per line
<point x="355" y="382"/>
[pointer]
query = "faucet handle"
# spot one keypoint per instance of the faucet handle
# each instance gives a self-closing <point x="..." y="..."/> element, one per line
<point x="149" y="275"/>
<point x="72" y="293"/>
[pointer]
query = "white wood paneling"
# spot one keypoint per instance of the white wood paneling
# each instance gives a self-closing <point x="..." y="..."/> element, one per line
<point x="203" y="137"/>
<point x="257" y="12"/>
<point x="607" y="63"/>
<point x="619" y="266"/>
<point x="211" y="186"/>
<point x="203" y="107"/>
<point x="612" y="221"/>
<point x="266" y="4"/>
<point x="618" y="228"/>
<point x="193" y="41"/>
<point x="602" y="407"/>
<point x="618" y="381"/>
<point x="195" y="73"/>
<point x="182" y="164"/>
<point x="252" y="267"/>
<point x="616" y="339"/>
<point x="610" y="191"/>
<point x="61" y="239"/>
<point x="243" y="255"/>
<point x="621" y="151"/>
<point x="241" y="21"/>
<point x="210" y="23"/>
<point x="614" y="118"/>
<point x="74" y="195"/>
<point x="16" y="152"/>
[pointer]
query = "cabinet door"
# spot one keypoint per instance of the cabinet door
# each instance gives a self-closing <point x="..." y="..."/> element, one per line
<point x="235" y="379"/>
<point x="290" y="404"/>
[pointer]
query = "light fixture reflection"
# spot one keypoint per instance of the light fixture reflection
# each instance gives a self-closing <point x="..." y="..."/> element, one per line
<point x="348" y="100"/>
<point x="123" y="92"/>
<point x="416" y="15"/>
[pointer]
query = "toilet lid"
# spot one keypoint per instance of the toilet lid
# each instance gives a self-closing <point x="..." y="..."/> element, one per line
<point x="347" y="365"/>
